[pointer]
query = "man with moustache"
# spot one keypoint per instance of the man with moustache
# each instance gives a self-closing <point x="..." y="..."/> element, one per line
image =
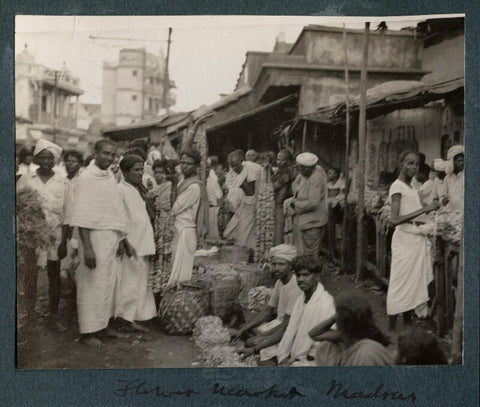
<point x="98" y="212"/>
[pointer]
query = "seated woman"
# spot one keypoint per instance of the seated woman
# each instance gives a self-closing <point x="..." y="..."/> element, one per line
<point x="357" y="341"/>
<point x="417" y="347"/>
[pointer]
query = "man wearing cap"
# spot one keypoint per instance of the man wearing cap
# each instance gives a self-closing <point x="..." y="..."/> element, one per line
<point x="54" y="190"/>
<point x="309" y="204"/>
<point x="267" y="329"/>
<point x="454" y="179"/>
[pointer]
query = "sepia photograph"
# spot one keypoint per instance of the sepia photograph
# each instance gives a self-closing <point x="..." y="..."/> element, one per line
<point x="239" y="191"/>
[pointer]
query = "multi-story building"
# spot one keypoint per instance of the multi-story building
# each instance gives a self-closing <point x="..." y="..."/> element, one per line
<point x="46" y="103"/>
<point x="133" y="89"/>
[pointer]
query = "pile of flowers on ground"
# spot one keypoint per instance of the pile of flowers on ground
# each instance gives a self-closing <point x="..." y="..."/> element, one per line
<point x="258" y="298"/>
<point x="212" y="340"/>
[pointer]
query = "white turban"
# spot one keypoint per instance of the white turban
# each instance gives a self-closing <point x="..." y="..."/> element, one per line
<point x="452" y="153"/>
<point x="153" y="155"/>
<point x="439" y="164"/>
<point x="48" y="145"/>
<point x="307" y="159"/>
<point x="284" y="251"/>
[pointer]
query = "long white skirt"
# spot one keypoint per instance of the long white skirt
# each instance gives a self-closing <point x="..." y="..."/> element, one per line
<point x="184" y="247"/>
<point x="411" y="270"/>
<point x="213" y="223"/>
<point x="134" y="300"/>
<point x="241" y="227"/>
<point x="95" y="288"/>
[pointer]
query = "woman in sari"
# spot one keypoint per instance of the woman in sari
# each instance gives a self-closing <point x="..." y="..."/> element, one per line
<point x="164" y="196"/>
<point x="411" y="268"/>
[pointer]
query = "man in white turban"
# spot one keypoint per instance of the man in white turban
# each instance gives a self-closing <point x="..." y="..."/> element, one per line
<point x="309" y="205"/>
<point x="454" y="179"/>
<point x="270" y="324"/>
<point x="54" y="191"/>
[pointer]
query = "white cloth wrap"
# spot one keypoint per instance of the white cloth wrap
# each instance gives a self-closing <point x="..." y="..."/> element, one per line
<point x="95" y="287"/>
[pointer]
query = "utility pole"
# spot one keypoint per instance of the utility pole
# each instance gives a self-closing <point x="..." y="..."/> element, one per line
<point x="361" y="155"/>
<point x="55" y="107"/>
<point x="166" y="80"/>
<point x="143" y="82"/>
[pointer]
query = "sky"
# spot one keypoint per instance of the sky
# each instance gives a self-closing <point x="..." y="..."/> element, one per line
<point x="206" y="56"/>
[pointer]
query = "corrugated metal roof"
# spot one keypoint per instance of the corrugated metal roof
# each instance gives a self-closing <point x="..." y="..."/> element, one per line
<point x="390" y="96"/>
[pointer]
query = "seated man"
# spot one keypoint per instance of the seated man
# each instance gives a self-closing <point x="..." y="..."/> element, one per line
<point x="313" y="307"/>
<point x="268" y="330"/>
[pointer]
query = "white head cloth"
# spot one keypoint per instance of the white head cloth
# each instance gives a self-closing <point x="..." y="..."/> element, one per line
<point x="48" y="145"/>
<point x="452" y="153"/>
<point x="455" y="150"/>
<point x="439" y="164"/>
<point x="307" y="159"/>
<point x="153" y="155"/>
<point x="284" y="251"/>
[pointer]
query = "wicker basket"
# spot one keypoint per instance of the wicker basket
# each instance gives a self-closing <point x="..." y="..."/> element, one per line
<point x="234" y="254"/>
<point x="251" y="276"/>
<point x="180" y="309"/>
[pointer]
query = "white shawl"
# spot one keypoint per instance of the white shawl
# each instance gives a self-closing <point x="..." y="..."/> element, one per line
<point x="250" y="172"/>
<point x="295" y="341"/>
<point x="97" y="203"/>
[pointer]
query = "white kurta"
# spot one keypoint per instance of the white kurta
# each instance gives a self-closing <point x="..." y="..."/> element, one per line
<point x="184" y="243"/>
<point x="55" y="196"/>
<point x="214" y="193"/>
<point x="411" y="269"/>
<point x="134" y="300"/>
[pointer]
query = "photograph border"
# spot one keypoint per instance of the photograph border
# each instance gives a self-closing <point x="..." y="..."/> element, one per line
<point x="436" y="385"/>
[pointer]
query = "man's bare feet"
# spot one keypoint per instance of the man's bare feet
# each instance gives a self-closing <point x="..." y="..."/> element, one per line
<point x="139" y="328"/>
<point x="114" y="333"/>
<point x="92" y="342"/>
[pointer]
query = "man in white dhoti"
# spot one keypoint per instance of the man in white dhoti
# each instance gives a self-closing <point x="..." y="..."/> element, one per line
<point x="191" y="218"/>
<point x="241" y="197"/>
<point x="97" y="210"/>
<point x="134" y="300"/>
<point x="270" y="324"/>
<point x="54" y="191"/>
<point x="215" y="194"/>
<point x="313" y="307"/>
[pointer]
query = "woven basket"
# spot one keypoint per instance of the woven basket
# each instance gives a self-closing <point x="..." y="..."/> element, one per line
<point x="251" y="276"/>
<point x="223" y="295"/>
<point x="180" y="309"/>
<point x="234" y="254"/>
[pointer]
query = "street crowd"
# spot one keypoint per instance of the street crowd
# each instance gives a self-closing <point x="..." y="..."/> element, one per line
<point x="131" y="224"/>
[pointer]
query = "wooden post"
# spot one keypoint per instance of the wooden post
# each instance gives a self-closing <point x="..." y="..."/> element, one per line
<point x="347" y="154"/>
<point x="304" y="136"/>
<point x="361" y="156"/>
